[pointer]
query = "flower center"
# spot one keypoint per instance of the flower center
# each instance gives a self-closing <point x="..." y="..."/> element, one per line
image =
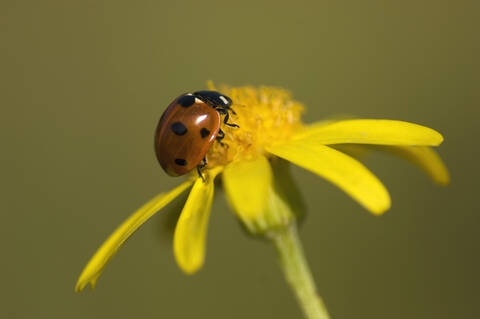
<point x="265" y="115"/>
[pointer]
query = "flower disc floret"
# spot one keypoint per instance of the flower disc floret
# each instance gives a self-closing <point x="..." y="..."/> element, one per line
<point x="265" y="115"/>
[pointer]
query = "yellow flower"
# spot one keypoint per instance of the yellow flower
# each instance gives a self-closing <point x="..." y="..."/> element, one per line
<point x="256" y="177"/>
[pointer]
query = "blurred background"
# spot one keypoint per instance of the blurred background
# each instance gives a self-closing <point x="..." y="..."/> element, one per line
<point x="83" y="84"/>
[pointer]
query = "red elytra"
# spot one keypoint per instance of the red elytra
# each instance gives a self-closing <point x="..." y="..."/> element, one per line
<point x="186" y="130"/>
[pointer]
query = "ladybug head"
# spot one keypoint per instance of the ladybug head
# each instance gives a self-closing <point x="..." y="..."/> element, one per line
<point x="214" y="98"/>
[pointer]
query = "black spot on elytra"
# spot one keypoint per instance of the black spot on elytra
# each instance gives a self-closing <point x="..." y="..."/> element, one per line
<point x="186" y="100"/>
<point x="178" y="128"/>
<point x="204" y="132"/>
<point x="180" y="161"/>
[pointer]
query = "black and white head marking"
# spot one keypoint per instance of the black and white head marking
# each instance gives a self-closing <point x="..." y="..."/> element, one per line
<point x="214" y="98"/>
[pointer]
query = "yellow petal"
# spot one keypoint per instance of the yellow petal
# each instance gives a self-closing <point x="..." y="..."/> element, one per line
<point x="424" y="158"/>
<point x="191" y="230"/>
<point x="357" y="151"/>
<point x="340" y="169"/>
<point x="97" y="263"/>
<point x="384" y="132"/>
<point x="286" y="187"/>
<point x="247" y="185"/>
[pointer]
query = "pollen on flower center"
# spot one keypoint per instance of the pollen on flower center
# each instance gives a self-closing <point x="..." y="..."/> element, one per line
<point x="265" y="115"/>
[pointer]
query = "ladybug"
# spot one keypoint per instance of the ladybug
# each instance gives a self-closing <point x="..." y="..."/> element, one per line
<point x="187" y="129"/>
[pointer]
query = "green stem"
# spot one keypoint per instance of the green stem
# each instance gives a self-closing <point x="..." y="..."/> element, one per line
<point x="297" y="273"/>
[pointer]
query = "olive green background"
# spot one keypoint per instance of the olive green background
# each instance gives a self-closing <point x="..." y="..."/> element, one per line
<point x="83" y="84"/>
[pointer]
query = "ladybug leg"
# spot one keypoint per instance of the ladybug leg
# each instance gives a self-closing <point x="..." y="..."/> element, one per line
<point x="220" y="137"/>
<point x="199" y="168"/>
<point x="224" y="111"/>
<point x="221" y="110"/>
<point x="200" y="173"/>
<point x="225" y="120"/>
